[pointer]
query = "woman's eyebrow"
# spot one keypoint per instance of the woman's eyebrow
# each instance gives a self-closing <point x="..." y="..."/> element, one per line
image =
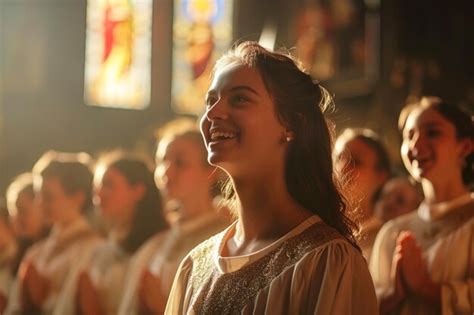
<point x="431" y="124"/>
<point x="244" y="87"/>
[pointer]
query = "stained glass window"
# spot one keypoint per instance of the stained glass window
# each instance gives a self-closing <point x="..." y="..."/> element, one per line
<point x="202" y="32"/>
<point x="118" y="53"/>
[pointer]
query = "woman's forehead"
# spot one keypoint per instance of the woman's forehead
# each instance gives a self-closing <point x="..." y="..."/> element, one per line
<point x="236" y="73"/>
<point x="177" y="145"/>
<point x="426" y="117"/>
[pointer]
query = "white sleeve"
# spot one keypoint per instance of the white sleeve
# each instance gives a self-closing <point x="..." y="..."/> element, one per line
<point x="178" y="300"/>
<point x="346" y="285"/>
<point x="381" y="259"/>
<point x="333" y="279"/>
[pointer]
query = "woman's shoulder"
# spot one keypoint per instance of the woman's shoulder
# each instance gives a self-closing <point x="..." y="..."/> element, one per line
<point x="203" y="255"/>
<point x="35" y="248"/>
<point x="153" y="244"/>
<point x="208" y="246"/>
<point x="157" y="238"/>
<point x="322" y="240"/>
<point x="403" y="222"/>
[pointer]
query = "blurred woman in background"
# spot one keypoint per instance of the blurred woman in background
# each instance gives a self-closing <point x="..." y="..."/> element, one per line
<point x="422" y="262"/>
<point x="397" y="197"/>
<point x="132" y="208"/>
<point x="187" y="182"/>
<point x="25" y="216"/>
<point x="363" y="161"/>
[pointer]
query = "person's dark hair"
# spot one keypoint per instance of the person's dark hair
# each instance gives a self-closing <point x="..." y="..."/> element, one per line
<point x="73" y="172"/>
<point x="462" y="121"/>
<point x="299" y="104"/>
<point x="149" y="218"/>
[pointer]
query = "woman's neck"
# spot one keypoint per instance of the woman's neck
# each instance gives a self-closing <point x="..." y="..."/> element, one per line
<point x="122" y="225"/>
<point x="194" y="207"/>
<point x="440" y="191"/>
<point x="67" y="221"/>
<point x="120" y="231"/>
<point x="267" y="211"/>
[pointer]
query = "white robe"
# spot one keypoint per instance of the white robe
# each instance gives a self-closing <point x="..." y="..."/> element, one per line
<point x="162" y="254"/>
<point x="60" y="258"/>
<point x="310" y="270"/>
<point x="368" y="232"/>
<point x="446" y="236"/>
<point x="107" y="270"/>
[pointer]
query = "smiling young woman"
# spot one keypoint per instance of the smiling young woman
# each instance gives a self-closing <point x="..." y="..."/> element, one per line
<point x="292" y="250"/>
<point x="422" y="262"/>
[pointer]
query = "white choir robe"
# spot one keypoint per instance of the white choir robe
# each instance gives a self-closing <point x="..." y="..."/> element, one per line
<point x="445" y="232"/>
<point x="310" y="270"/>
<point x="106" y="269"/>
<point x="162" y="254"/>
<point x="60" y="258"/>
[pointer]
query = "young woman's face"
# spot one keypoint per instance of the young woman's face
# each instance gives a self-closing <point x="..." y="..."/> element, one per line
<point x="28" y="220"/>
<point x="398" y="197"/>
<point x="430" y="149"/>
<point x="181" y="170"/>
<point x="55" y="202"/>
<point x="357" y="158"/>
<point x="240" y="128"/>
<point x="116" y="197"/>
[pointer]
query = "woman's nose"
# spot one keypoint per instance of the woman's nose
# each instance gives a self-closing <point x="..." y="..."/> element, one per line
<point x="165" y="171"/>
<point x="416" y="144"/>
<point x="217" y="111"/>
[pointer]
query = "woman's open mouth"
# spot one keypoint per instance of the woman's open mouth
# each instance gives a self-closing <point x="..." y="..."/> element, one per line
<point x="216" y="136"/>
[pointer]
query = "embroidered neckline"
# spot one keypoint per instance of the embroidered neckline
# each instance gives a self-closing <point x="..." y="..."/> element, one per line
<point x="223" y="261"/>
<point x="217" y="293"/>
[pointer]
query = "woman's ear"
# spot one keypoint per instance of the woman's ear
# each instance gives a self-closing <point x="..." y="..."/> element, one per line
<point x="289" y="135"/>
<point x="466" y="148"/>
<point x="139" y="191"/>
<point x="79" y="198"/>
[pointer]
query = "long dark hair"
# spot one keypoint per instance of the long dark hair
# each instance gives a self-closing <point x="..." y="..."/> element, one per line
<point x="462" y="121"/>
<point x="300" y="103"/>
<point x="148" y="218"/>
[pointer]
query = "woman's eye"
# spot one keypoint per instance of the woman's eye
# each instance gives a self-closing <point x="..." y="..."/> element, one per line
<point x="433" y="133"/>
<point x="356" y="162"/>
<point x="239" y="99"/>
<point x="180" y="163"/>
<point x="208" y="103"/>
<point x="408" y="135"/>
